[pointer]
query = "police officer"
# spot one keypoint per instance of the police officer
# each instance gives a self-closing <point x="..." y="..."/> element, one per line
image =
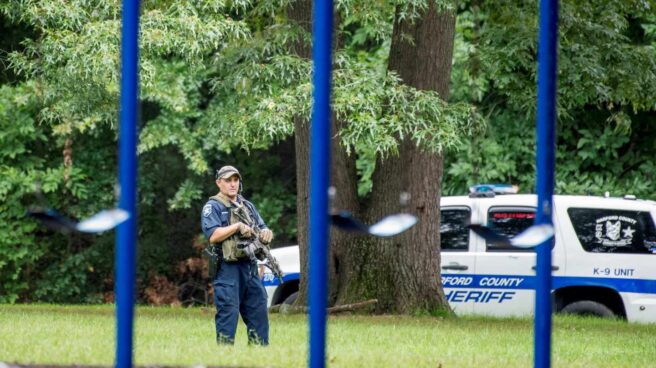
<point x="226" y="219"/>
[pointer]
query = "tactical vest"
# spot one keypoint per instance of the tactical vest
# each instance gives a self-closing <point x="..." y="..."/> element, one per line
<point x="238" y="212"/>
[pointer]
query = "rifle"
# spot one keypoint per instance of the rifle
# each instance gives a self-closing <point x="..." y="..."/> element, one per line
<point x="256" y="250"/>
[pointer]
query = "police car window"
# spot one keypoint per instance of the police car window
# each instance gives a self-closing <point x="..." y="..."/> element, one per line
<point x="509" y="221"/>
<point x="613" y="231"/>
<point x="454" y="233"/>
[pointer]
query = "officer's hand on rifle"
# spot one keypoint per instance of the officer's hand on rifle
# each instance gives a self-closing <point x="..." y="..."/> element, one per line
<point x="266" y="236"/>
<point x="245" y="231"/>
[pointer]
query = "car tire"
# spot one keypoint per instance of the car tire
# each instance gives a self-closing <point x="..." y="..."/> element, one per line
<point x="588" y="308"/>
<point x="291" y="299"/>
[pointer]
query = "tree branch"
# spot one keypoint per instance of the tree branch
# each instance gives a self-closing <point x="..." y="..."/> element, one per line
<point x="293" y="309"/>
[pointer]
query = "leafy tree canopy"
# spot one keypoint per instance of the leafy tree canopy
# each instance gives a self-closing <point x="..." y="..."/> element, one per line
<point x="606" y="94"/>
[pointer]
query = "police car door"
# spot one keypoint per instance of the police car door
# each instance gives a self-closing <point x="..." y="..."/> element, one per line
<point x="612" y="244"/>
<point x="458" y="259"/>
<point x="504" y="279"/>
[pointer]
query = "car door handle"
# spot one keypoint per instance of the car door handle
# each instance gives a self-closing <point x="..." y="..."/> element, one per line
<point x="455" y="266"/>
<point x="553" y="268"/>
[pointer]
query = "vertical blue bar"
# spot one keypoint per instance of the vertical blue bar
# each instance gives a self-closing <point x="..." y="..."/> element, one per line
<point x="319" y="180"/>
<point x="126" y="233"/>
<point x="546" y="155"/>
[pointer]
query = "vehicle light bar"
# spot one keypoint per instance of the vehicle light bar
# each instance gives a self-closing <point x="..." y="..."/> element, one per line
<point x="494" y="188"/>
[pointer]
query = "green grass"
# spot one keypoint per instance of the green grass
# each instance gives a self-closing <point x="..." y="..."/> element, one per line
<point x="48" y="334"/>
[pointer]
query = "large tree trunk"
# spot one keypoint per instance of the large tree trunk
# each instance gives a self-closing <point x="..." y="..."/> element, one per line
<point x="343" y="176"/>
<point x="300" y="13"/>
<point x="403" y="272"/>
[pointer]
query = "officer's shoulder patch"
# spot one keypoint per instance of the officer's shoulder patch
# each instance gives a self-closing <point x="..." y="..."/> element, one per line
<point x="207" y="210"/>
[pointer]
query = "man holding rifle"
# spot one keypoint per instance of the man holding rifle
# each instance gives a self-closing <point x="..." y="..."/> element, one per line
<point x="238" y="237"/>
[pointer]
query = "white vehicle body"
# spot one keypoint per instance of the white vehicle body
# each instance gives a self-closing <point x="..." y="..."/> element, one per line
<point x="289" y="260"/>
<point x="603" y="260"/>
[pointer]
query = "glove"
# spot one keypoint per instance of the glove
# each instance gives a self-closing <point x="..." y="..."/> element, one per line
<point x="245" y="231"/>
<point x="266" y="236"/>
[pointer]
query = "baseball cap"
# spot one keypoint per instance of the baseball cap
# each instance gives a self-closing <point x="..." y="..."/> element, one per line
<point x="226" y="172"/>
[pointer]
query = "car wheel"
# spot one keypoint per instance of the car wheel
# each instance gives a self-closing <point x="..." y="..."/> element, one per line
<point x="291" y="299"/>
<point x="588" y="308"/>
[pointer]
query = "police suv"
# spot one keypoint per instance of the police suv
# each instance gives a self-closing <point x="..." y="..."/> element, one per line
<point x="603" y="260"/>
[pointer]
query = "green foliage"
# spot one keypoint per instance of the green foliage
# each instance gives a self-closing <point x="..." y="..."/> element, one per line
<point x="598" y="63"/>
<point x="606" y="89"/>
<point x="18" y="250"/>
<point x="76" y="63"/>
<point x="188" y="190"/>
<point x="31" y="257"/>
<point x="26" y="159"/>
<point x="69" y="280"/>
<point x="505" y="154"/>
<point x="260" y="88"/>
<point x="365" y="166"/>
<point x="277" y="206"/>
<point x="379" y="111"/>
<point x="70" y="64"/>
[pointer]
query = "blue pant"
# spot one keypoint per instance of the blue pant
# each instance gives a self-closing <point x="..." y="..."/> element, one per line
<point x="238" y="290"/>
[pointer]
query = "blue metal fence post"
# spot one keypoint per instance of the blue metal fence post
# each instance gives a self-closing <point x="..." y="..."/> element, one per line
<point x="319" y="180"/>
<point x="127" y="232"/>
<point x="545" y="161"/>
